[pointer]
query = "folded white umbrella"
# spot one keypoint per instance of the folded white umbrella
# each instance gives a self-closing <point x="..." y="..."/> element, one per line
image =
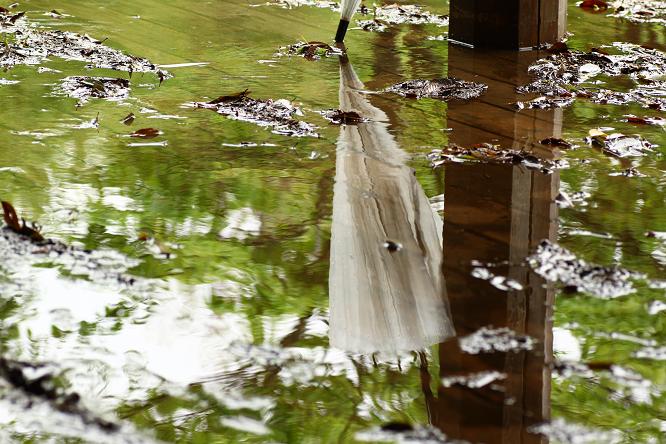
<point x="381" y="300"/>
<point x="347" y="10"/>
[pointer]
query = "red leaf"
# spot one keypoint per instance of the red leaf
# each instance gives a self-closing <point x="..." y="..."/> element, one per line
<point x="9" y="214"/>
<point x="146" y="133"/>
<point x="594" y="5"/>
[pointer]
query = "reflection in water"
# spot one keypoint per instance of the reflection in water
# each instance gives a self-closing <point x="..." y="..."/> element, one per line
<point x="496" y="214"/>
<point x="381" y="300"/>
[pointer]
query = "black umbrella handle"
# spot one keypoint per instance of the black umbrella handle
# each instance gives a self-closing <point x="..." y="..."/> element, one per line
<point x="342" y="30"/>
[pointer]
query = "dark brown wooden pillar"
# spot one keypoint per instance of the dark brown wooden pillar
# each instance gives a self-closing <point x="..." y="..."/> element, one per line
<point x="507" y="24"/>
<point x="496" y="214"/>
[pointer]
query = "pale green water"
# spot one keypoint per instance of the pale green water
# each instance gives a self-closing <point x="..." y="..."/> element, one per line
<point x="229" y="340"/>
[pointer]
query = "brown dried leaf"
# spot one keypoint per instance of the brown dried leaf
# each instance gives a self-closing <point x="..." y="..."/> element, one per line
<point x="129" y="119"/>
<point x="9" y="214"/>
<point x="554" y="141"/>
<point x="594" y="5"/>
<point x="146" y="133"/>
<point x="230" y="98"/>
<point x="12" y="221"/>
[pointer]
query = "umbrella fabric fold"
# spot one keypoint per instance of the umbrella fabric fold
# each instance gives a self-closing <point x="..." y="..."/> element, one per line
<point x="381" y="300"/>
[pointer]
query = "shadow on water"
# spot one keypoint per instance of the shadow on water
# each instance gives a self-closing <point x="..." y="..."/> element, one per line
<point x="421" y="292"/>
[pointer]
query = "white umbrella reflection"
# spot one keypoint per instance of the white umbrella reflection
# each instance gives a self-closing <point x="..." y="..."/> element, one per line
<point x="381" y="300"/>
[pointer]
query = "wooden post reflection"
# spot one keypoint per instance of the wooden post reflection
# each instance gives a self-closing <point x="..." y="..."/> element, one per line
<point x="496" y="214"/>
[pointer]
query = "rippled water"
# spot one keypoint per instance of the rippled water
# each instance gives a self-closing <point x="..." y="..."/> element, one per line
<point x="248" y="286"/>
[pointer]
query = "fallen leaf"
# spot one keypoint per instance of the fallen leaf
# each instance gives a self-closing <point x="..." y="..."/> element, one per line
<point x="129" y="119"/>
<point x="558" y="48"/>
<point x="594" y="5"/>
<point x="146" y="133"/>
<point x="646" y="120"/>
<point x="12" y="221"/>
<point x="230" y="98"/>
<point x="554" y="141"/>
<point x="9" y="214"/>
<point x="340" y="117"/>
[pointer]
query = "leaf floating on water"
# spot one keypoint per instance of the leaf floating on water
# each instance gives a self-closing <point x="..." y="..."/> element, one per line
<point x="620" y="145"/>
<point x="557" y="264"/>
<point x="231" y="98"/>
<point x="276" y="114"/>
<point x="594" y="5"/>
<point x="32" y="45"/>
<point x="490" y="340"/>
<point x="85" y="88"/>
<point x="646" y="120"/>
<point x="395" y="14"/>
<point x="339" y="117"/>
<point x="309" y="50"/>
<point x="555" y="141"/>
<point x="443" y="89"/>
<point x="12" y="221"/>
<point x="558" y="48"/>
<point x="559" y="78"/>
<point x="129" y="119"/>
<point x="10" y="216"/>
<point x="492" y="154"/>
<point x="641" y="11"/>
<point x="146" y="133"/>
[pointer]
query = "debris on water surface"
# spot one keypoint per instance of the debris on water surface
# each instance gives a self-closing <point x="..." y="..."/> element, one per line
<point x="619" y="145"/>
<point x="557" y="264"/>
<point x="339" y="117"/>
<point x="564" y="200"/>
<point x="566" y="433"/>
<point x="492" y="154"/>
<point x="395" y="14"/>
<point x="20" y="227"/>
<point x="129" y="119"/>
<point x="85" y="88"/>
<point x="641" y="11"/>
<point x="309" y="50"/>
<point x="372" y="25"/>
<point x="276" y="114"/>
<point x="593" y="5"/>
<point x="660" y="121"/>
<point x="146" y="133"/>
<point x="289" y="4"/>
<point x="559" y="78"/>
<point x="18" y="240"/>
<point x="556" y="141"/>
<point x="629" y="172"/>
<point x="474" y="380"/>
<point x="500" y="282"/>
<point x="489" y="340"/>
<point x="31" y="46"/>
<point x="40" y="382"/>
<point x="443" y="89"/>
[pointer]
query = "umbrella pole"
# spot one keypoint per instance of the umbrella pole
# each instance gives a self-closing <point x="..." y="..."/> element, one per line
<point x="342" y="31"/>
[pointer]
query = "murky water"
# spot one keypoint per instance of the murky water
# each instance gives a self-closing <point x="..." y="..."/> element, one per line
<point x="249" y="286"/>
